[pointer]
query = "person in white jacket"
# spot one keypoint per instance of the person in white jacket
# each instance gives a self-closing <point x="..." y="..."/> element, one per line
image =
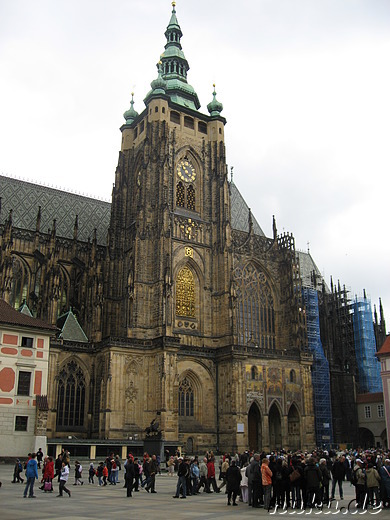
<point x="63" y="480"/>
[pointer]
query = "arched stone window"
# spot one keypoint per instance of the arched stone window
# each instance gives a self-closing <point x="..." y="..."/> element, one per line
<point x="20" y="283"/>
<point x="293" y="376"/>
<point x="71" y="397"/>
<point x="180" y="195"/>
<point x="255" y="314"/>
<point x="254" y="373"/>
<point x="186" y="398"/>
<point x="185" y="293"/>
<point x="191" y="198"/>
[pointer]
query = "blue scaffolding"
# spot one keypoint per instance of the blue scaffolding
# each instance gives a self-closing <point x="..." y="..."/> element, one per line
<point x="320" y="371"/>
<point x="365" y="347"/>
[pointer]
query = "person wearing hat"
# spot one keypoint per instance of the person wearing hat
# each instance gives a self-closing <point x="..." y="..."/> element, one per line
<point x="360" y="487"/>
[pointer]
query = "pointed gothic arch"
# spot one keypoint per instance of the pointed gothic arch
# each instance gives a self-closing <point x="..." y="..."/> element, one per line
<point x="71" y="397"/>
<point x="21" y="277"/>
<point x="255" y="307"/>
<point x="255" y="430"/>
<point x="189" y="395"/>
<point x="185" y="293"/>
<point x="275" y="427"/>
<point x="293" y="427"/>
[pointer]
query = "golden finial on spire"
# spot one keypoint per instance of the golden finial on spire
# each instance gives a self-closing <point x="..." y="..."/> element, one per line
<point x="214" y="85"/>
<point x="173" y="4"/>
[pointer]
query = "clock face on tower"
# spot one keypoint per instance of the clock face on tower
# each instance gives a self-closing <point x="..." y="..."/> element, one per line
<point x="185" y="171"/>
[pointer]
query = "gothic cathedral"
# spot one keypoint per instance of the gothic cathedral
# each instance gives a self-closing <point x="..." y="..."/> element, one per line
<point x="191" y="315"/>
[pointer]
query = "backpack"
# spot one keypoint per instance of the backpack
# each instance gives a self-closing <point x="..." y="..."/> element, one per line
<point x="353" y="478"/>
<point x="20" y="467"/>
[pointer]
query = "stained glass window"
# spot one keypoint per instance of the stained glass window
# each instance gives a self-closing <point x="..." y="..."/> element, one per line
<point x="255" y="314"/>
<point x="186" y="398"/>
<point x="185" y="293"/>
<point x="71" y="396"/>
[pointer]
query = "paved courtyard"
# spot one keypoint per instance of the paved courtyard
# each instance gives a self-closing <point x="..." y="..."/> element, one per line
<point x="110" y="502"/>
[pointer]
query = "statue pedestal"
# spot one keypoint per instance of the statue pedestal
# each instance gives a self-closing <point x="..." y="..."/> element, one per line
<point x="154" y="446"/>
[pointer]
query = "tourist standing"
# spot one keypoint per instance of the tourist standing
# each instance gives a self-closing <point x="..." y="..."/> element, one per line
<point x="31" y="475"/>
<point x="233" y="479"/>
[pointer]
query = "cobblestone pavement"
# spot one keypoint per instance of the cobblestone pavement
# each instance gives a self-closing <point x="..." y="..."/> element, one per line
<point x="110" y="502"/>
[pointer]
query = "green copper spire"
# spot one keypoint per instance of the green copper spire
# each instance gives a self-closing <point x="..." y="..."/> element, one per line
<point x="174" y="68"/>
<point x="130" y="115"/>
<point x="215" y="107"/>
<point x="159" y="85"/>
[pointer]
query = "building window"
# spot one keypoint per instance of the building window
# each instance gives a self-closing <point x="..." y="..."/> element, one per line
<point x="21" y="423"/>
<point x="189" y="122"/>
<point x="254" y="373"/>
<point x="186" y="399"/>
<point x="27" y="342"/>
<point x="24" y="383"/>
<point x="191" y="198"/>
<point x="71" y="396"/>
<point x="367" y="412"/>
<point x="141" y="127"/>
<point x="255" y="316"/>
<point x="20" y="283"/>
<point x="185" y="293"/>
<point x="202" y="127"/>
<point x="293" y="376"/>
<point x="180" y="197"/>
<point x="381" y="412"/>
<point x="175" y="117"/>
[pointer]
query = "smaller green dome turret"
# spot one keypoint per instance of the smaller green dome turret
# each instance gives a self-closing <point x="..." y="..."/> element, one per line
<point x="215" y="107"/>
<point x="130" y="115"/>
<point x="159" y="85"/>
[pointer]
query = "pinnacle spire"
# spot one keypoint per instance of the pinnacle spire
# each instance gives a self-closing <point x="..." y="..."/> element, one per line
<point x="174" y="68"/>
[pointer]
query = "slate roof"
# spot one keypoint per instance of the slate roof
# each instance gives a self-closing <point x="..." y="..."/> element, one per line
<point x="70" y="328"/>
<point x="24" y="198"/>
<point x="307" y="266"/>
<point x="240" y="212"/>
<point x="10" y="316"/>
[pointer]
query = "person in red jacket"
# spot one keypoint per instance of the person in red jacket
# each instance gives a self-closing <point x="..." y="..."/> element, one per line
<point x="211" y="475"/>
<point x="48" y="474"/>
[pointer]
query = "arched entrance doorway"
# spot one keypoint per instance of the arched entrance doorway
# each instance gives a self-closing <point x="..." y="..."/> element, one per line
<point x="254" y="428"/>
<point x="294" y="434"/>
<point x="275" y="428"/>
<point x="366" y="438"/>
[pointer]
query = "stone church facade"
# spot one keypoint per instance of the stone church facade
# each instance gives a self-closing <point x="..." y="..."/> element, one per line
<point x="192" y="315"/>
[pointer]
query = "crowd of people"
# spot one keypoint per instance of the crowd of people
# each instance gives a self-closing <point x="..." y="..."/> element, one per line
<point x="270" y="480"/>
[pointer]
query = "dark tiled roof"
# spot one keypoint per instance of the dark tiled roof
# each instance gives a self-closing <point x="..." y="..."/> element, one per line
<point x="370" y="398"/>
<point x="240" y="212"/>
<point x="9" y="316"/>
<point x="307" y="267"/>
<point x="70" y="328"/>
<point x="24" y="198"/>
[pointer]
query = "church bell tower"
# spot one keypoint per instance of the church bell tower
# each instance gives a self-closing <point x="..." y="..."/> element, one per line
<point x="169" y="245"/>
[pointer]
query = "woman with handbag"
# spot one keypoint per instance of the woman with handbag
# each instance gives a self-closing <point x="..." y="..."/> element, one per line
<point x="48" y="475"/>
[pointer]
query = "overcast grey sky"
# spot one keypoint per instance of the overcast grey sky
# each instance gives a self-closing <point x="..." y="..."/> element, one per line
<point x="305" y="86"/>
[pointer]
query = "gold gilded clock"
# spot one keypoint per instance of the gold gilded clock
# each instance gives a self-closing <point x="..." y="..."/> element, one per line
<point x="185" y="171"/>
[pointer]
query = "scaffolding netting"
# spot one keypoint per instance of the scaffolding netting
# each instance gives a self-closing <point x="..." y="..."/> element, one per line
<point x="320" y="371"/>
<point x="365" y="347"/>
